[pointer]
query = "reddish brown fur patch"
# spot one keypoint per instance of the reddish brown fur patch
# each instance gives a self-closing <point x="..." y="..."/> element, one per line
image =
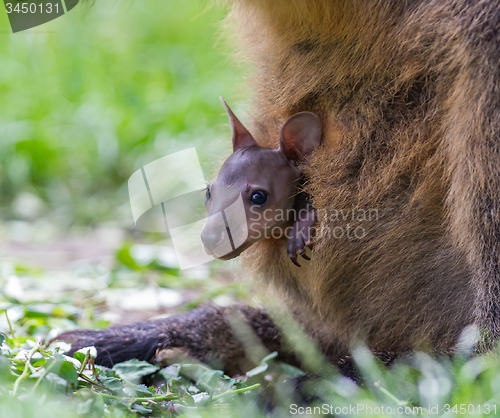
<point x="402" y="97"/>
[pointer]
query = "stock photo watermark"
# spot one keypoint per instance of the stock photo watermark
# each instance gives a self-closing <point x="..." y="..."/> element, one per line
<point x="28" y="14"/>
<point x="169" y="196"/>
<point x="362" y="409"/>
<point x="335" y="223"/>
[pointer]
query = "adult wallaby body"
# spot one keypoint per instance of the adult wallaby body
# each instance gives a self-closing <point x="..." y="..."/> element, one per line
<point x="405" y="184"/>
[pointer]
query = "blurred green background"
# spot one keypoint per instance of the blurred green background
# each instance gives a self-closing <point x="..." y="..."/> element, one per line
<point x="93" y="95"/>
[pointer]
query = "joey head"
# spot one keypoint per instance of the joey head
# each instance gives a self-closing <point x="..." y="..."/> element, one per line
<point x="268" y="181"/>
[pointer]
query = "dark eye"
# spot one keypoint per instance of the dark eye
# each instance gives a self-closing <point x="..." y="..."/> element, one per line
<point x="207" y="195"/>
<point x="259" y="198"/>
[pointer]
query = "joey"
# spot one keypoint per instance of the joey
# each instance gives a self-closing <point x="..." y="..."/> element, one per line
<point x="269" y="182"/>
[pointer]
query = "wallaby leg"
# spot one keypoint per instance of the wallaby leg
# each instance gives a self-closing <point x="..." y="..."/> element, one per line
<point x="204" y="333"/>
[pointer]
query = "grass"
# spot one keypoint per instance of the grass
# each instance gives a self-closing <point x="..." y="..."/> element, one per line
<point x="37" y="380"/>
<point x="40" y="380"/>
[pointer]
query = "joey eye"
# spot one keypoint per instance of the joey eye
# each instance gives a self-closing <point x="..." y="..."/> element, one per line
<point x="207" y="195"/>
<point x="259" y="197"/>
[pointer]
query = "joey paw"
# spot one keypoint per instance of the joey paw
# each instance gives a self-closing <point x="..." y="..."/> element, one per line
<point x="302" y="234"/>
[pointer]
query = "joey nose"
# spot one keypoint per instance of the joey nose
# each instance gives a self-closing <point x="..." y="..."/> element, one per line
<point x="211" y="240"/>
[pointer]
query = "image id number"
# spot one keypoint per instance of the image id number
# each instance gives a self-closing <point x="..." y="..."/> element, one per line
<point x="32" y="8"/>
<point x="470" y="409"/>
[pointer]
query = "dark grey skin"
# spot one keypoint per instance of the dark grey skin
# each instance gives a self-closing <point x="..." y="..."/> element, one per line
<point x="268" y="181"/>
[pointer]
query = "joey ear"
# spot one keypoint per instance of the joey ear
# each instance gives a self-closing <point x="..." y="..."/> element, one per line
<point x="241" y="137"/>
<point x="300" y="135"/>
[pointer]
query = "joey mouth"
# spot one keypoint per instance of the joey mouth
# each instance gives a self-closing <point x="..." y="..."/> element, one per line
<point x="235" y="253"/>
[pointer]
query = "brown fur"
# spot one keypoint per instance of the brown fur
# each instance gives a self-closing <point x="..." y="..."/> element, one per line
<point x="408" y="94"/>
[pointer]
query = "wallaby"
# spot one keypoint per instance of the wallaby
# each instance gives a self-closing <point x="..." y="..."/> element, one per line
<point x="405" y="184"/>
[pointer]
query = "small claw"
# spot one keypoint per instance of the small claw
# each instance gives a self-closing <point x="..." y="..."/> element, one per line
<point x="294" y="261"/>
<point x="304" y="256"/>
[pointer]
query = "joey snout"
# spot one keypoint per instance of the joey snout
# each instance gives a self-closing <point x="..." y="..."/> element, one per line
<point x="226" y="227"/>
<point x="211" y="240"/>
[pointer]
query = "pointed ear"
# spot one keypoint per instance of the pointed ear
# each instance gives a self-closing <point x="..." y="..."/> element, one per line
<point x="241" y="137"/>
<point x="300" y="135"/>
